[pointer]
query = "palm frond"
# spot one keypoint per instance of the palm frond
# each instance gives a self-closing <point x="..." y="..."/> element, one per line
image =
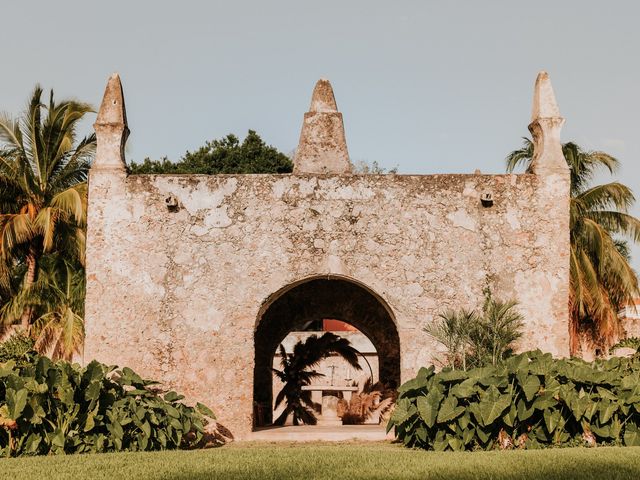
<point x="15" y="229"/>
<point x="520" y="157"/>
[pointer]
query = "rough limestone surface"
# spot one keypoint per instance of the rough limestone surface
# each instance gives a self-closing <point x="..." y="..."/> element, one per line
<point x="180" y="268"/>
<point x="322" y="147"/>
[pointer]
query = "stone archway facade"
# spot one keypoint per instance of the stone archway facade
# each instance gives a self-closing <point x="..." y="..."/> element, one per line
<point x="330" y="296"/>
<point x="179" y="266"/>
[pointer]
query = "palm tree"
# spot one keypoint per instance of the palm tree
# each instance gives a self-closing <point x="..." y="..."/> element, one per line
<point x="478" y="339"/>
<point x="493" y="334"/>
<point x="451" y="329"/>
<point x="57" y="300"/>
<point x="43" y="194"/>
<point x="601" y="278"/>
<point x="295" y="374"/>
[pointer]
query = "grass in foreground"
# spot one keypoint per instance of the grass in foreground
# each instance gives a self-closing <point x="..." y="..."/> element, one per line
<point x="333" y="461"/>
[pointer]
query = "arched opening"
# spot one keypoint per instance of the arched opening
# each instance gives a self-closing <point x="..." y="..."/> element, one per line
<point x="297" y="306"/>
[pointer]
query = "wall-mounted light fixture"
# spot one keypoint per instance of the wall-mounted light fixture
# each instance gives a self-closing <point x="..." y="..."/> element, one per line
<point x="172" y="203"/>
<point x="486" y="199"/>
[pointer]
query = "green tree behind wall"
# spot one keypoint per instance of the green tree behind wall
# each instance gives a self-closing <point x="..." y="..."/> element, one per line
<point x="227" y="155"/>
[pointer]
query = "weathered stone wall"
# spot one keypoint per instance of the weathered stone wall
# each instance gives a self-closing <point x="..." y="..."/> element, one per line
<point x="177" y="294"/>
<point x="178" y="267"/>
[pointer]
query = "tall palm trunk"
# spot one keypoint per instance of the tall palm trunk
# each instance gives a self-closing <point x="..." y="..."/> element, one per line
<point x="30" y="278"/>
<point x="574" y="334"/>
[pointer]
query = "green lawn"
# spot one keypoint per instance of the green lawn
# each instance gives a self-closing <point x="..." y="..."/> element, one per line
<point x="344" y="461"/>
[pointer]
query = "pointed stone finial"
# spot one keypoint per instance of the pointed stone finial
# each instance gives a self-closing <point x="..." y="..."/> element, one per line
<point x="322" y="99"/>
<point x="111" y="129"/>
<point x="544" y="100"/>
<point x="322" y="147"/>
<point x="545" y="126"/>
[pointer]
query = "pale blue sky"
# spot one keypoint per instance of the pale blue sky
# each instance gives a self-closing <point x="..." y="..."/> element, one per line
<point x="428" y="86"/>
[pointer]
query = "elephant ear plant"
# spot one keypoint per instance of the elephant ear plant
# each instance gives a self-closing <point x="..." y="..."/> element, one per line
<point x="57" y="408"/>
<point x="529" y="401"/>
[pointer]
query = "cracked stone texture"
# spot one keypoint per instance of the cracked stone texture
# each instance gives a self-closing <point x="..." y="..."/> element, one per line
<point x="177" y="295"/>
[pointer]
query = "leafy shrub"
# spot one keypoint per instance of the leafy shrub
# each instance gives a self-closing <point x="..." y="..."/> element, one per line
<point x="53" y="408"/>
<point x="531" y="400"/>
<point x="630" y="342"/>
<point x="16" y="347"/>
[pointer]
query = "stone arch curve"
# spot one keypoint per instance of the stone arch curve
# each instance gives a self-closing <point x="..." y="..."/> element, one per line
<point x="328" y="296"/>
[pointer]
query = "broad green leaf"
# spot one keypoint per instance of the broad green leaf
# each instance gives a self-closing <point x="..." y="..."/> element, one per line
<point x="616" y="427"/>
<point x="440" y="443"/>
<point x="56" y="438"/>
<point x="176" y="424"/>
<point x="38" y="412"/>
<point x="426" y="373"/>
<point x="518" y="363"/>
<point x="143" y="442"/>
<point x="428" y="407"/>
<point x="136" y="392"/>
<point x="468" y="435"/>
<point x="579" y="406"/>
<point x="542" y="435"/>
<point x="492" y="405"/>
<point x="530" y="385"/>
<point x="204" y="410"/>
<point x="6" y="368"/>
<point x="551" y="419"/>
<point x="511" y="416"/>
<point x="16" y="401"/>
<point x="482" y="372"/>
<point x="524" y="412"/>
<point x="93" y="372"/>
<point x="146" y="428"/>
<point x="447" y="376"/>
<point x="116" y="430"/>
<point x="544" y="400"/>
<point x="33" y="442"/>
<point x="606" y="409"/>
<point x="172" y="411"/>
<point x="172" y="397"/>
<point x="92" y="392"/>
<point x="632" y="435"/>
<point x="603" y="431"/>
<point x="483" y="435"/>
<point x="456" y="444"/>
<point x="413" y="384"/>
<point x="449" y="410"/>
<point x="90" y="423"/>
<point x="606" y="393"/>
<point x="592" y="408"/>
<point x="630" y="381"/>
<point x="551" y="385"/>
<point x="399" y="416"/>
<point x="464" y="389"/>
<point x="34" y="387"/>
<point x="421" y="434"/>
<point x="464" y="420"/>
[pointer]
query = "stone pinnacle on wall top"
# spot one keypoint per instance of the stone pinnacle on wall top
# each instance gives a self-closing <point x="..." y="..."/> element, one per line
<point x="322" y="99"/>
<point x="112" y="110"/>
<point x="322" y="148"/>
<point x="545" y="126"/>
<point x="111" y="128"/>
<point x="544" y="100"/>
